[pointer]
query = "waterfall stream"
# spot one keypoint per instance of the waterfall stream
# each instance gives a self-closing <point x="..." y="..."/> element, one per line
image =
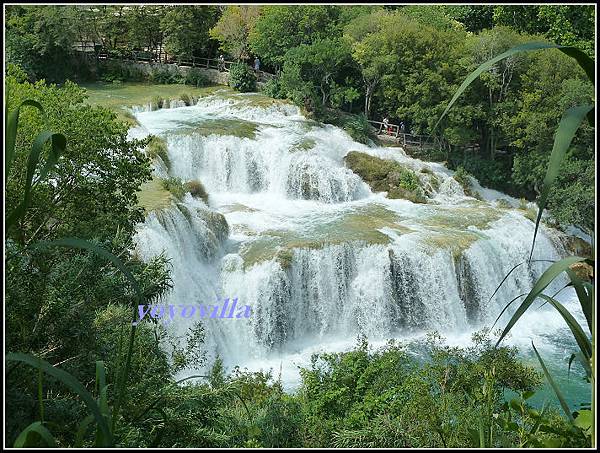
<point x="319" y="257"/>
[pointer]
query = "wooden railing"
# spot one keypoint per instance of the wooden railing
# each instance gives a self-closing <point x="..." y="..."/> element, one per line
<point x="185" y="61"/>
<point x="396" y="132"/>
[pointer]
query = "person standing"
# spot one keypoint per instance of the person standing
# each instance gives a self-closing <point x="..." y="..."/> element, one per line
<point x="386" y="125"/>
<point x="256" y="64"/>
<point x="221" y="63"/>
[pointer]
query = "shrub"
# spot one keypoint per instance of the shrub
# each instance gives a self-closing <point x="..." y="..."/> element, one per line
<point x="175" y="186"/>
<point x="386" y="175"/>
<point x="272" y="88"/>
<point x="358" y="128"/>
<point x="163" y="76"/>
<point x="195" y="78"/>
<point x="157" y="102"/>
<point x="464" y="179"/>
<point x="196" y="189"/>
<point x="242" y="78"/>
<point x="185" y="98"/>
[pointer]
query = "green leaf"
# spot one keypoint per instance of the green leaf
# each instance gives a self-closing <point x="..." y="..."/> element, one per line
<point x="584" y="294"/>
<point x="580" y="337"/>
<point x="82" y="430"/>
<point x="546" y="278"/>
<point x="58" y="145"/>
<point x="12" y="122"/>
<point x="33" y="434"/>
<point x="559" y="395"/>
<point x="584" y="420"/>
<point x="68" y="380"/>
<point x="567" y="127"/>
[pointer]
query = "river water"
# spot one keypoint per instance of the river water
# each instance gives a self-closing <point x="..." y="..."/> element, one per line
<point x="320" y="258"/>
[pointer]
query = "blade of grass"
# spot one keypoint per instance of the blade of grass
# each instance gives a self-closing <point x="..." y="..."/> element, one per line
<point x="33" y="432"/>
<point x="584" y="295"/>
<point x="10" y="139"/>
<point x="580" y="337"/>
<point x="58" y="145"/>
<point x="83" y="244"/>
<point x="547" y="277"/>
<point x="567" y="127"/>
<point x="559" y="395"/>
<point x="72" y="383"/>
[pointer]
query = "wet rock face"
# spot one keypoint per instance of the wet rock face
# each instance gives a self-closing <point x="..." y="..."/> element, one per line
<point x="579" y="247"/>
<point x="387" y="175"/>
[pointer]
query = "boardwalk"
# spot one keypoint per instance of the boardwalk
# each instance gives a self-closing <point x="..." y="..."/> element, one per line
<point x="395" y="134"/>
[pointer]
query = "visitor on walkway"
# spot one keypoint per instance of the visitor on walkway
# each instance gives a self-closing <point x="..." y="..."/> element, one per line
<point x="221" y="63"/>
<point x="386" y="125"/>
<point x="256" y="64"/>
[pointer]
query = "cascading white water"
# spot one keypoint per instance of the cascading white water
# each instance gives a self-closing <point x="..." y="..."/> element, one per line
<point x="300" y="238"/>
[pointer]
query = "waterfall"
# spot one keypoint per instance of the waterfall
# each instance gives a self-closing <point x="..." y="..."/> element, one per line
<point x="320" y="258"/>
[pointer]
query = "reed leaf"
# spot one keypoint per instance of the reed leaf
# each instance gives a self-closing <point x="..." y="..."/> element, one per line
<point x="72" y="383"/>
<point x="567" y="128"/>
<point x="584" y="294"/>
<point x="547" y="277"/>
<point x="10" y="138"/>
<point x="559" y="395"/>
<point x="32" y="434"/>
<point x="580" y="337"/>
<point x="58" y="146"/>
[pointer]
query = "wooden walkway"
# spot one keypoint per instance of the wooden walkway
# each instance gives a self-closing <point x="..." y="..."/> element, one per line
<point x="394" y="133"/>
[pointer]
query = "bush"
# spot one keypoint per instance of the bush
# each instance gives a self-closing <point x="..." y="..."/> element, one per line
<point x="358" y="128"/>
<point x="386" y="175"/>
<point x="242" y="78"/>
<point x="175" y="186"/>
<point x="195" y="78"/>
<point x="163" y="76"/>
<point x="157" y="102"/>
<point x="464" y="179"/>
<point x="185" y="98"/>
<point x="272" y="88"/>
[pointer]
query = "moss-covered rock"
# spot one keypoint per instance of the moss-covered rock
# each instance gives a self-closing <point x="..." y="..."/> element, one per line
<point x="386" y="175"/>
<point x="153" y="196"/>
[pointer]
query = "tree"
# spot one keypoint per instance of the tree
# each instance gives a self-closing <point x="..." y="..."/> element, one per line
<point x="369" y="51"/>
<point x="495" y="90"/>
<point x="281" y="28"/>
<point x="311" y="72"/>
<point x="186" y="29"/>
<point x="143" y="27"/>
<point x="40" y="39"/>
<point x="552" y="84"/>
<point x="570" y="25"/>
<point x="233" y="30"/>
<point x="475" y="18"/>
